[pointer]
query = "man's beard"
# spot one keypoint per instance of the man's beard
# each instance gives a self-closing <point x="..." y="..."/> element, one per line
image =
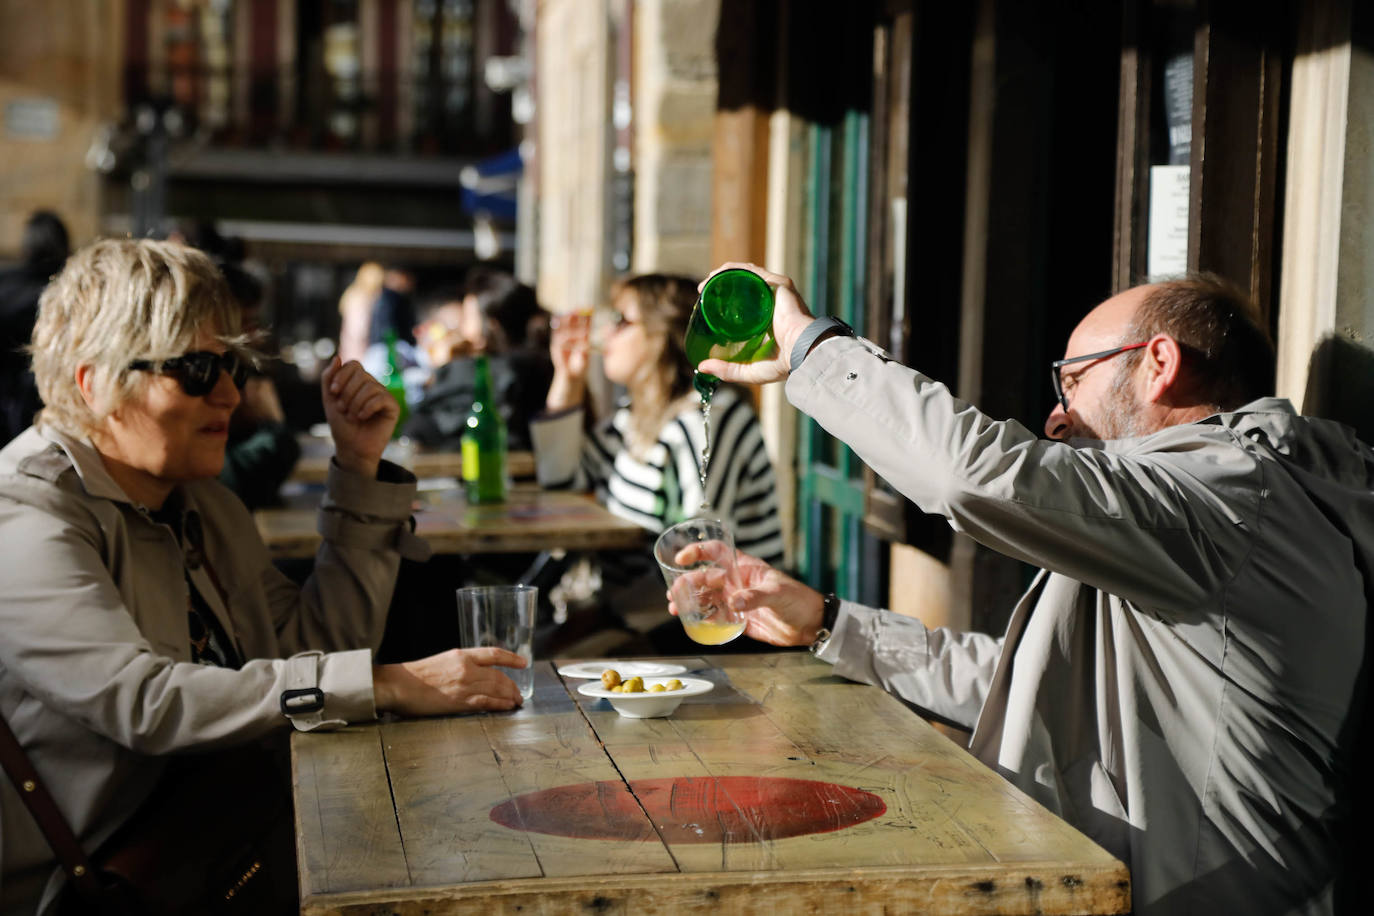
<point x="1120" y="416"/>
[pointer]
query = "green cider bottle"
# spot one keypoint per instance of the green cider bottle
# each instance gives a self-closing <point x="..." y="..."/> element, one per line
<point x="395" y="384"/>
<point x="483" y="442"/>
<point x="733" y="321"/>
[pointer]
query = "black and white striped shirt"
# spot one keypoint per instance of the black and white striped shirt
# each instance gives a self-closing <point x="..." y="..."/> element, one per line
<point x="663" y="486"/>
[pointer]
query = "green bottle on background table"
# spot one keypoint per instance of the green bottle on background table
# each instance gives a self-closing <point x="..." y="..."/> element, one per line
<point x="733" y="321"/>
<point x="484" y="442"/>
<point x="395" y="384"/>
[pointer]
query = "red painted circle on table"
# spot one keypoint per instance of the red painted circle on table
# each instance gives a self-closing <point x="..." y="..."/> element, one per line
<point x="691" y="809"/>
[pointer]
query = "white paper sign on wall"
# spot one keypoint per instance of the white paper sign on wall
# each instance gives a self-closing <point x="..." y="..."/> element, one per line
<point x="32" y="119"/>
<point x="1167" y="244"/>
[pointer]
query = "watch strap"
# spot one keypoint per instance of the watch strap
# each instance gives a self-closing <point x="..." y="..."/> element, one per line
<point x="830" y="612"/>
<point x="812" y="332"/>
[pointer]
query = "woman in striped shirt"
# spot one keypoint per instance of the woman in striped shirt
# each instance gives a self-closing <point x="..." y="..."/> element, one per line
<point x="644" y="461"/>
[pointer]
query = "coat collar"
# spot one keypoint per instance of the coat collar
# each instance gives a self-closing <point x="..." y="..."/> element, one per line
<point x="89" y="468"/>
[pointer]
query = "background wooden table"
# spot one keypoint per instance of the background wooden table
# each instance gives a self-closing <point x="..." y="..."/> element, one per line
<point x="316" y="451"/>
<point x="870" y="810"/>
<point x="530" y="520"/>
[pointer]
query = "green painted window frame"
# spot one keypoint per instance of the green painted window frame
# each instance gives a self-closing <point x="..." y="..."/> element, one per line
<point x="830" y="493"/>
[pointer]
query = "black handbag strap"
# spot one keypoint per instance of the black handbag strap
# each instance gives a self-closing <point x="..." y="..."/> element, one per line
<point x="45" y="811"/>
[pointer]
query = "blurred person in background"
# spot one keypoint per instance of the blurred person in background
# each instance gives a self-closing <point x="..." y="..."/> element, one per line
<point x="44" y="248"/>
<point x="497" y="316"/>
<point x="262" y="448"/>
<point x="355" y="310"/>
<point x="393" y="312"/>
<point x="143" y="617"/>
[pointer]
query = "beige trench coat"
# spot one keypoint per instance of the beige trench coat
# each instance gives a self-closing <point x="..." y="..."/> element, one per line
<point x="95" y="671"/>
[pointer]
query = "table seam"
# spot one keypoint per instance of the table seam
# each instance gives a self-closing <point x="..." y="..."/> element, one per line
<point x="624" y="781"/>
<point x="395" y="810"/>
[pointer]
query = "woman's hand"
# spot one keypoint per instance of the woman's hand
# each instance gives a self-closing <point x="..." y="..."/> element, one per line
<point x="361" y="413"/>
<point x="459" y="680"/>
<point x="779" y="609"/>
<point x="570" y="350"/>
<point x="790" y="318"/>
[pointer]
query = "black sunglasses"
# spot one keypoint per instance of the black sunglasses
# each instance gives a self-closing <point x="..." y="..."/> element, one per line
<point x="1058" y="363"/>
<point x="198" y="372"/>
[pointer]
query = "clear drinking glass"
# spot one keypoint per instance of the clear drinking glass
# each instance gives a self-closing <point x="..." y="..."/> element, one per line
<point x="501" y="616"/>
<point x="699" y="588"/>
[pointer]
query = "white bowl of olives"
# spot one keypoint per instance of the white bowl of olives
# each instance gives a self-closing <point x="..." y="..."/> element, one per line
<point x="644" y="698"/>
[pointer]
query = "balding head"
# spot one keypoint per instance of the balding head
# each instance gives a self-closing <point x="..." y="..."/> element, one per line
<point x="1194" y="349"/>
<point x="1228" y="357"/>
<point x="1108" y="324"/>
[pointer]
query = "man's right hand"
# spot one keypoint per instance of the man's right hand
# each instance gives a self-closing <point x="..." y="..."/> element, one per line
<point x="780" y="610"/>
<point x="456" y="681"/>
<point x="790" y="318"/>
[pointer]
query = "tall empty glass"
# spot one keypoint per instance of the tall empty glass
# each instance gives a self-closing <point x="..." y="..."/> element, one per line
<point x="501" y="616"/>
<point x="699" y="583"/>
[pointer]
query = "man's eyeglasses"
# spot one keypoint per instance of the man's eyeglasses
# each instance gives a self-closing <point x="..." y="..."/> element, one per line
<point x="1059" y="363"/>
<point x="198" y="372"/>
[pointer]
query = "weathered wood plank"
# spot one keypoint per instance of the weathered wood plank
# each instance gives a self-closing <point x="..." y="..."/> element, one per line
<point x="316" y="453"/>
<point x="756" y="745"/>
<point x="782" y="787"/>
<point x="444" y="780"/>
<point x="933" y="771"/>
<point x="448" y="775"/>
<point x="947" y="890"/>
<point x="557" y="750"/>
<point x="346" y="836"/>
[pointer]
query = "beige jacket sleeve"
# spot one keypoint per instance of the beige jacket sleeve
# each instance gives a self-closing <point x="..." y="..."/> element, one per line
<point x="1123" y="517"/>
<point x="95" y="616"/>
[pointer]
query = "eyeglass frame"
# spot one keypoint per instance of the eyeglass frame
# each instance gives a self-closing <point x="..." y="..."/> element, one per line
<point x="201" y="383"/>
<point x="1058" y="383"/>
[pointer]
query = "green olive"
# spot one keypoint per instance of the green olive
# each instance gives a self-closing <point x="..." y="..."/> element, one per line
<point x="634" y="685"/>
<point x="609" y="678"/>
<point x="657" y="688"/>
<point x="675" y="684"/>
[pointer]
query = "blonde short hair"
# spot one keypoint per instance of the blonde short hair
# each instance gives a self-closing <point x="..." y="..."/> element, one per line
<point x="116" y="301"/>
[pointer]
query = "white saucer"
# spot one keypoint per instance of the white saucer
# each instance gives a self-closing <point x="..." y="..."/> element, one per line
<point x="626" y="668"/>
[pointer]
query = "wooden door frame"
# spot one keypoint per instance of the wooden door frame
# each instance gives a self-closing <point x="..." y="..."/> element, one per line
<point x="1241" y="57"/>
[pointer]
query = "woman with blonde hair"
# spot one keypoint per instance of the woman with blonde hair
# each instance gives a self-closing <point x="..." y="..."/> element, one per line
<point x="143" y="617"/>
<point x="355" y="309"/>
<point x="644" y="461"/>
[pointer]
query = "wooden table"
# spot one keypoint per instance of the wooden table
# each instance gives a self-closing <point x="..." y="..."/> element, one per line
<point x="785" y="789"/>
<point x="313" y="465"/>
<point x="530" y="520"/>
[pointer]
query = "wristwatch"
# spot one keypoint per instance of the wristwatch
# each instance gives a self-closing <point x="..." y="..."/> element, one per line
<point x="812" y="332"/>
<point x="829" y="614"/>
